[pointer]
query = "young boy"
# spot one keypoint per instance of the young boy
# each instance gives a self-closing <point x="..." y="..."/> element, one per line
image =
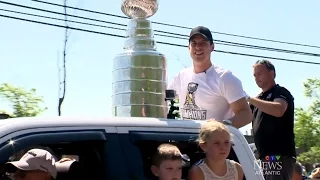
<point x="167" y="162"/>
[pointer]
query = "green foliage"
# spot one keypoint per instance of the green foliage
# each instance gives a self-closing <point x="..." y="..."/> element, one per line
<point x="311" y="87"/>
<point x="307" y="125"/>
<point x="25" y="103"/>
<point x="310" y="157"/>
<point x="307" y="130"/>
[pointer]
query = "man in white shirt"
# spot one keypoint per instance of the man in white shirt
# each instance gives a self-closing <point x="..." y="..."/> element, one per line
<point x="206" y="91"/>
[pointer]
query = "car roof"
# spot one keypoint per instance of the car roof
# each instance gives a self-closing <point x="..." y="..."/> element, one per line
<point x="23" y="123"/>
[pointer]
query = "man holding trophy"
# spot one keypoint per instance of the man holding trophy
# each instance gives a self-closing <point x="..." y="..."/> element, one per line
<point x="207" y="91"/>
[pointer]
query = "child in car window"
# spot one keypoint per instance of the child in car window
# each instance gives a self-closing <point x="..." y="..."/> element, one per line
<point x="167" y="162"/>
<point x="215" y="141"/>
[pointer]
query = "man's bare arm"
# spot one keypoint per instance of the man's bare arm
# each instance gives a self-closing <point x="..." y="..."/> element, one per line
<point x="275" y="108"/>
<point x="243" y="114"/>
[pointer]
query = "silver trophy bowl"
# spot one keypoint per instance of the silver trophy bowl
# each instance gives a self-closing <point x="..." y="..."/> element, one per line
<point x="139" y="72"/>
<point x="139" y="8"/>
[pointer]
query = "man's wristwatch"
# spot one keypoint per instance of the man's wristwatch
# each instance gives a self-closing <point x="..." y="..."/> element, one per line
<point x="227" y="122"/>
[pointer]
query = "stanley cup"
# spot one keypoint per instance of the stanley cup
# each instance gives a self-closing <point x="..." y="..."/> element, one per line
<point x="139" y="72"/>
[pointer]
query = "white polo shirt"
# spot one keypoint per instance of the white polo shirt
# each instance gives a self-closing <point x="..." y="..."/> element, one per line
<point x="207" y="95"/>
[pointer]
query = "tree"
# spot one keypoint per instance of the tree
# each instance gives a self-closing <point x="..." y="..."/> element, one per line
<point x="25" y="103"/>
<point x="307" y="124"/>
<point x="310" y="157"/>
<point x="306" y="130"/>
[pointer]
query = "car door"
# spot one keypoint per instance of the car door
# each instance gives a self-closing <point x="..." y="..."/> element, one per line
<point x="98" y="151"/>
<point x="139" y="144"/>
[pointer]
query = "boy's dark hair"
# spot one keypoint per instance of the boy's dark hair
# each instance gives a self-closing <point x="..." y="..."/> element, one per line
<point x="268" y="65"/>
<point x="166" y="152"/>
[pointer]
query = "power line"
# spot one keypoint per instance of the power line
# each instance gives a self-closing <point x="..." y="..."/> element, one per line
<point x="178" y="26"/>
<point x="60" y="26"/>
<point x="160" y="42"/>
<point x="54" y="12"/>
<point x="60" y="19"/>
<point x="249" y="46"/>
<point x="159" y="31"/>
<point x="103" y="26"/>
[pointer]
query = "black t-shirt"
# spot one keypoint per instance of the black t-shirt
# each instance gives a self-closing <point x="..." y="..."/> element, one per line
<point x="274" y="135"/>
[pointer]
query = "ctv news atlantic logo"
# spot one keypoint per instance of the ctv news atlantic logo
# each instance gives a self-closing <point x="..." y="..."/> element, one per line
<point x="270" y="165"/>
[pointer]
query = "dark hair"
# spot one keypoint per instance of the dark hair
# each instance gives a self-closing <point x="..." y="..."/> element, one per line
<point x="268" y="65"/>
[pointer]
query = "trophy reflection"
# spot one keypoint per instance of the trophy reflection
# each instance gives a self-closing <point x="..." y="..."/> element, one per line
<point x="139" y="72"/>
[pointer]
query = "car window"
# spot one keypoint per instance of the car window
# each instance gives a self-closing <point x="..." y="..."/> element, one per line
<point x="89" y="154"/>
<point x="87" y="148"/>
<point x="144" y="144"/>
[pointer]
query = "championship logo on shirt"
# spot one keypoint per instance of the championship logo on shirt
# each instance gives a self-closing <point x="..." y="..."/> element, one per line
<point x="190" y="109"/>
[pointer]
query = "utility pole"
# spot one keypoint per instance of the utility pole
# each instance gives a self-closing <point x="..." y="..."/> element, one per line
<point x="62" y="83"/>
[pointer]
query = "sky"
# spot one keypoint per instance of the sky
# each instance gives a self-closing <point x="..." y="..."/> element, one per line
<point x="30" y="53"/>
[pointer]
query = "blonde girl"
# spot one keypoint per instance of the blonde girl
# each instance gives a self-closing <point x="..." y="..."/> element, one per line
<point x="215" y="141"/>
